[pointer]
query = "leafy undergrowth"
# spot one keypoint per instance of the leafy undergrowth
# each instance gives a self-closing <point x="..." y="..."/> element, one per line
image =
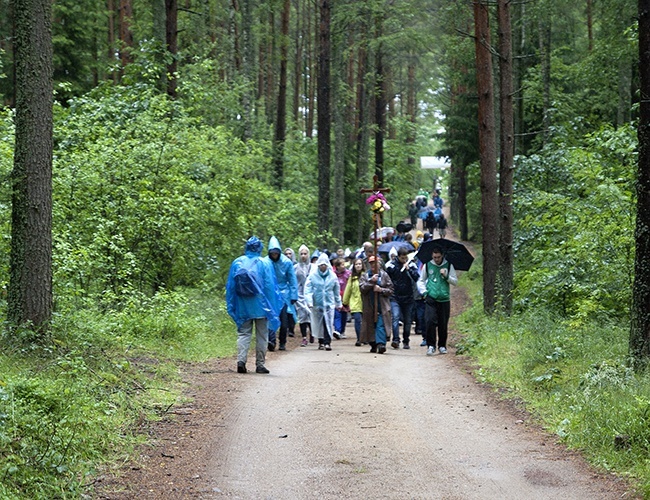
<point x="74" y="404"/>
<point x="575" y="376"/>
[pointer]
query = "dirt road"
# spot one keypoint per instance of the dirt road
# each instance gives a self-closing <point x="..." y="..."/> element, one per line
<point x="351" y="424"/>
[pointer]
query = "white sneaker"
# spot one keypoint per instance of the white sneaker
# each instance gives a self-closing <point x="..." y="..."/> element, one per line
<point x="431" y="351"/>
<point x="442" y="350"/>
<point x="343" y="336"/>
<point x="336" y="335"/>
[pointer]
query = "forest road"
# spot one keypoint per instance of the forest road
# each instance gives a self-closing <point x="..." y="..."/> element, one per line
<point x="352" y="424"/>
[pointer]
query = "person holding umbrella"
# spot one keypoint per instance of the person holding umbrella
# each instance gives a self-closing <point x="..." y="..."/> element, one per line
<point x="435" y="277"/>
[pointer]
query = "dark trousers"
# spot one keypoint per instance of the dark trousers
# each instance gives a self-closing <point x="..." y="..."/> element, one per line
<point x="327" y="338"/>
<point x="284" y="327"/>
<point x="419" y="309"/>
<point x="436" y="318"/>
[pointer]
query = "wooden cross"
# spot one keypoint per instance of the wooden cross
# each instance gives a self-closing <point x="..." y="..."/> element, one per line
<point x="376" y="217"/>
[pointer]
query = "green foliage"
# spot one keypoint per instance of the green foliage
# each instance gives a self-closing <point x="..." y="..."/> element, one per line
<point x="72" y="405"/>
<point x="575" y="378"/>
<point x="574" y="215"/>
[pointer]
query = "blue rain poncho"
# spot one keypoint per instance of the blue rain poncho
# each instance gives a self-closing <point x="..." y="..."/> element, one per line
<point x="322" y="293"/>
<point x="285" y="276"/>
<point x="267" y="304"/>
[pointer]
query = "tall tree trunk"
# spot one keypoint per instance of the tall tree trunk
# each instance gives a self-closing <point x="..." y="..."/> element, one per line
<point x="171" y="9"/>
<point x="519" y="10"/>
<point x="506" y="114"/>
<point x="281" y="120"/>
<point x="487" y="154"/>
<point x="312" y="63"/>
<point x="126" y="36"/>
<point x="299" y="64"/>
<point x="623" y="114"/>
<point x="324" y="120"/>
<point x="29" y="300"/>
<point x="590" y="25"/>
<point x="248" y="67"/>
<point x="545" y="55"/>
<point x="411" y="109"/>
<point x="380" y="106"/>
<point x="270" y="68"/>
<point x="363" y="133"/>
<point x="339" y="106"/>
<point x="110" y="6"/>
<point x="640" y="313"/>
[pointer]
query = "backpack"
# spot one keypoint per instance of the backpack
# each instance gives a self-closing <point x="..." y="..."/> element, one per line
<point x="245" y="282"/>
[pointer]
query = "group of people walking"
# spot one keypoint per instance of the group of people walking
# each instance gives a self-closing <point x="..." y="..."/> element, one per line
<point x="317" y="292"/>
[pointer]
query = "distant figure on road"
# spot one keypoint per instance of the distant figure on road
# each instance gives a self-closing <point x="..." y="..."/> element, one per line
<point x="288" y="285"/>
<point x="376" y="289"/>
<point x="323" y="296"/>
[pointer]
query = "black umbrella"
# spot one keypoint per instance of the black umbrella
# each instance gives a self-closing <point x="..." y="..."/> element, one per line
<point x="386" y="247"/>
<point x="455" y="253"/>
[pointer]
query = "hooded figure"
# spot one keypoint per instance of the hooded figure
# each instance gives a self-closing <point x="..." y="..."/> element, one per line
<point x="302" y="269"/>
<point x="322" y="294"/>
<point x="261" y="307"/>
<point x="265" y="305"/>
<point x="376" y="320"/>
<point x="288" y="286"/>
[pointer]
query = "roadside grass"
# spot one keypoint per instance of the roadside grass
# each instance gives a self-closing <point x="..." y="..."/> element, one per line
<point x="77" y="403"/>
<point x="574" y="376"/>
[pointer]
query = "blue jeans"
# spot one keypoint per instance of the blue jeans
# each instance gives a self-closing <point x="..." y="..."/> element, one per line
<point x="340" y="319"/>
<point x="380" y="331"/>
<point x="357" y="324"/>
<point x="403" y="313"/>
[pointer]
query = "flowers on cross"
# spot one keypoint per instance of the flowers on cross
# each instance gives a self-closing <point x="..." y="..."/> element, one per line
<point x="377" y="202"/>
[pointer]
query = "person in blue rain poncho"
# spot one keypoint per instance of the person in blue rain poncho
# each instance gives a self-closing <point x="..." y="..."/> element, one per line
<point x="288" y="285"/>
<point x="259" y="307"/>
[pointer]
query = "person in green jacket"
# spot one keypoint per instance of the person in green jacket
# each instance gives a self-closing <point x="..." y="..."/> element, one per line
<point x="352" y="297"/>
<point x="435" y="278"/>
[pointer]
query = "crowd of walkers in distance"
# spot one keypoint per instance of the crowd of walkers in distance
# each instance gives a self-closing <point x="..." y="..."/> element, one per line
<point x="316" y="293"/>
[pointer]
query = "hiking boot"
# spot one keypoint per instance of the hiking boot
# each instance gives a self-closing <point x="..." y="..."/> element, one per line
<point x="304" y="342"/>
<point x="394" y="344"/>
<point x="271" y="347"/>
<point x="431" y="351"/>
<point x="381" y="348"/>
<point x="262" y="369"/>
<point x="442" y="350"/>
<point x="373" y="348"/>
<point x="283" y="347"/>
<point x="241" y="367"/>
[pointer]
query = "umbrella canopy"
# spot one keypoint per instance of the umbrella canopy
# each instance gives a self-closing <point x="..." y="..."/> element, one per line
<point x="455" y="253"/>
<point x="386" y="247"/>
<point x="382" y="232"/>
<point x="404" y="227"/>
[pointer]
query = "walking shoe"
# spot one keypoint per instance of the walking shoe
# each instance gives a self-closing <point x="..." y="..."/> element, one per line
<point x="423" y="343"/>
<point x="291" y="334"/>
<point x="328" y="347"/>
<point x="406" y="346"/>
<point x="343" y="335"/>
<point x="336" y="335"/>
<point x="394" y="344"/>
<point x="283" y="347"/>
<point x="381" y="348"/>
<point x="262" y="369"/>
<point x="241" y="367"/>
<point x="311" y="338"/>
<point x="373" y="348"/>
<point x="431" y="351"/>
<point x="442" y="350"/>
<point x="321" y="347"/>
<point x="271" y="347"/>
<point x="304" y="342"/>
<point x="357" y="344"/>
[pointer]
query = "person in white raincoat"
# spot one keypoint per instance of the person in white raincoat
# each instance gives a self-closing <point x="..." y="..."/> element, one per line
<point x="302" y="268"/>
<point x="322" y="293"/>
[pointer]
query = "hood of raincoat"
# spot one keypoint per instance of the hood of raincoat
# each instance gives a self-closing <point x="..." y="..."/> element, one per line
<point x="316" y="254"/>
<point x="254" y="245"/>
<point x="323" y="259"/>
<point x="274" y="244"/>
